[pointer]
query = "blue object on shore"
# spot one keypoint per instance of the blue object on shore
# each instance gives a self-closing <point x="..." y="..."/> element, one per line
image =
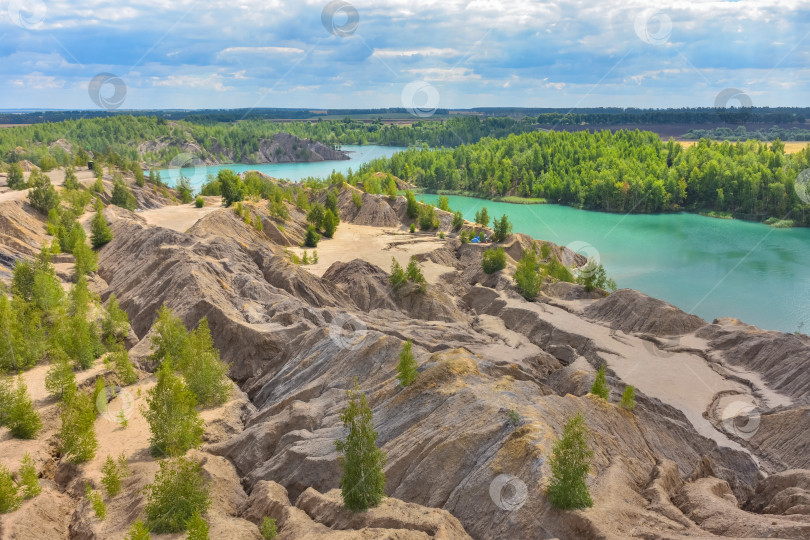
<point x="475" y="240"/>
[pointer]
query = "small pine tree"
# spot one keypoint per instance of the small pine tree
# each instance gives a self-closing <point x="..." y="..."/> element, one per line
<point x="197" y="527"/>
<point x="10" y="498"/>
<point x="111" y="477"/>
<point x="600" y="386"/>
<point x="16" y="177"/>
<point x="629" y="398"/>
<point x="96" y="501"/>
<point x="411" y="207"/>
<point x="312" y="237"/>
<point x="501" y="229"/>
<point x="100" y="232"/>
<point x="570" y="462"/>
<point x="330" y="223"/>
<point x="391" y="189"/>
<point x="122" y="366"/>
<point x="268" y="528"/>
<point x="406" y="369"/>
<point x="458" y="220"/>
<point x="398" y="277"/>
<point x="29" y="480"/>
<point x="78" y="433"/>
<point x="138" y="531"/>
<point x="305" y="258"/>
<point x="86" y="259"/>
<point x="363" y="482"/>
<point x="60" y="379"/>
<point x="482" y="217"/>
<point x="205" y="374"/>
<point x="527" y="279"/>
<point x="18" y="412"/>
<point x="172" y="415"/>
<point x="414" y="273"/>
<point x="493" y="260"/>
<point x="170" y="338"/>
<point x="178" y="492"/>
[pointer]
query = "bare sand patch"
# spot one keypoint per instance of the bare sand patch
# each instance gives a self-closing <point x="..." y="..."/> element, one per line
<point x="180" y="218"/>
<point x="376" y="245"/>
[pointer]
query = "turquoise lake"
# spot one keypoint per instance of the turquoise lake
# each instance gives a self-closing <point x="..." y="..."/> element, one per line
<point x="709" y="267"/>
<point x="291" y="171"/>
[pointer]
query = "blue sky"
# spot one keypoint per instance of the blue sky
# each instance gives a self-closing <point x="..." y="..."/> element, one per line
<point x="412" y="53"/>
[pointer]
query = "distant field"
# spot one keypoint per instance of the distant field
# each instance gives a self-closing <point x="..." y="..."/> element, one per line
<point x="790" y="146"/>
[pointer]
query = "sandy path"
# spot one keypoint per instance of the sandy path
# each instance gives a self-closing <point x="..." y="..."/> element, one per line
<point x="376" y="245"/>
<point x="57" y="177"/>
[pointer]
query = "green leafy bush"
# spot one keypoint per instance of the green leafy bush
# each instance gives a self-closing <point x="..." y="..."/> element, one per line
<point x="363" y="482"/>
<point x="138" y="531"/>
<point x="407" y="367"/>
<point x="502" y="228"/>
<point x="414" y="274"/>
<point x="205" y="374"/>
<point x="17" y="410"/>
<point x="493" y="260"/>
<point x="86" y="259"/>
<point x="411" y="207"/>
<point x="78" y="434"/>
<point x="10" y="498"/>
<point x="268" y="528"/>
<point x="99" y="508"/>
<point x="312" y="237"/>
<point x="593" y="276"/>
<point x="170" y="338"/>
<point x="29" y="480"/>
<point x="115" y="324"/>
<point x="600" y="386"/>
<point x="121" y="195"/>
<point x="197" y="527"/>
<point x="527" y="280"/>
<point x="178" y="492"/>
<point x="60" y="379"/>
<point x="570" y="462"/>
<point x="42" y="195"/>
<point x="172" y="415"/>
<point x="398" y="277"/>
<point x="482" y="217"/>
<point x="458" y="220"/>
<point x="199" y="202"/>
<point x="100" y="232"/>
<point x="629" y="398"/>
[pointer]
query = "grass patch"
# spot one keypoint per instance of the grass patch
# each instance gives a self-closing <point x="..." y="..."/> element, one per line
<point x="717" y="215"/>
<point x="513" y="199"/>
<point x="777" y="223"/>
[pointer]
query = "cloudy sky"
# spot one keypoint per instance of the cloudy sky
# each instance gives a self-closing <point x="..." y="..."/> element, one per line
<point x="394" y="53"/>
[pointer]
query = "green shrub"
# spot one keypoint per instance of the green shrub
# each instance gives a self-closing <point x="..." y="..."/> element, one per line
<point x="482" y="217"/>
<point x="29" y="480"/>
<point x="301" y="200"/>
<point x="407" y="367"/>
<point x="21" y="335"/>
<point x="527" y="279"/>
<point x="60" y="379"/>
<point x="197" y="527"/>
<point x="71" y="182"/>
<point x="414" y="273"/>
<point x="178" y="492"/>
<point x="315" y="215"/>
<point x="199" y="202"/>
<point x="600" y="386"/>
<point x="428" y="219"/>
<point x="443" y="203"/>
<point x="172" y="415"/>
<point x="357" y="199"/>
<point x="184" y="189"/>
<point x="98" y="185"/>
<point x="312" y="237"/>
<point x="458" y="220"/>
<point x="86" y="259"/>
<point x="412" y="228"/>
<point x="111" y="477"/>
<point x="629" y="398"/>
<point x="398" y="277"/>
<point x="493" y="260"/>
<point x="205" y="374"/>
<point x="545" y="250"/>
<point x="78" y="433"/>
<point x="570" y="462"/>
<point x="257" y="223"/>
<point x="17" y="410"/>
<point x="558" y="270"/>
<point x="391" y="189"/>
<point x="122" y="366"/>
<point x="330" y="223"/>
<point x="514" y="417"/>
<point x="16" y="177"/>
<point x="170" y="337"/>
<point x="100" y="232"/>
<point x="363" y="482"/>
<point x="332" y="202"/>
<point x="96" y="501"/>
<point x="268" y="528"/>
<point x="501" y="229"/>
<point x="463" y="237"/>
<point x="10" y="498"/>
<point x="121" y="195"/>
<point x="42" y="195"/>
<point x="115" y="324"/>
<point x="593" y="276"/>
<point x="412" y="207"/>
<point x="138" y="531"/>
<point x="279" y="210"/>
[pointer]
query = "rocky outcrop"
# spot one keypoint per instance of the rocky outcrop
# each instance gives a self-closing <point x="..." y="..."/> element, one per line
<point x="22" y="233"/>
<point x="632" y="311"/>
<point x="287" y="148"/>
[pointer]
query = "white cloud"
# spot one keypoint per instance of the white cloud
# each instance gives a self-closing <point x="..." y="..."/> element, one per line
<point x="456" y="74"/>
<point x="424" y="51"/>
<point x="267" y="51"/>
<point x="213" y="81"/>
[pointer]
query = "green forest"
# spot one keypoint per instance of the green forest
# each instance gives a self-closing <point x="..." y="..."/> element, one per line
<point x="157" y="141"/>
<point x="626" y="171"/>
